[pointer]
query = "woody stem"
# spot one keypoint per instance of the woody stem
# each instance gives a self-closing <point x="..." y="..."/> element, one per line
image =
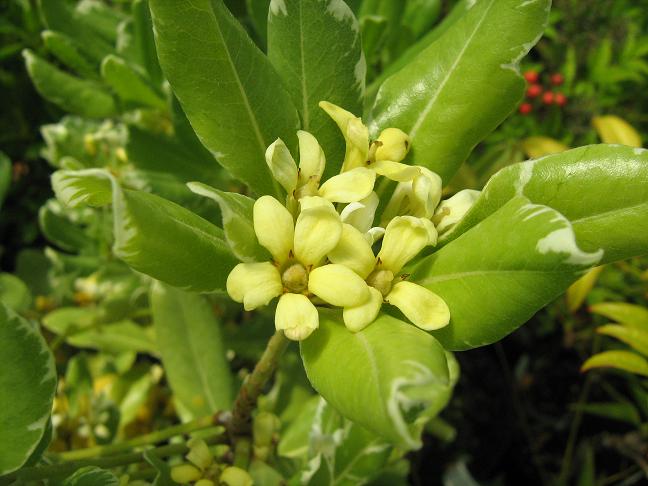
<point x="240" y="424"/>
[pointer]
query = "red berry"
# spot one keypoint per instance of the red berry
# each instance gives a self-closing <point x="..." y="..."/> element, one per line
<point x="531" y="76"/>
<point x="534" y="91"/>
<point x="548" y="98"/>
<point x="525" y="108"/>
<point x="557" y="79"/>
<point x="560" y="99"/>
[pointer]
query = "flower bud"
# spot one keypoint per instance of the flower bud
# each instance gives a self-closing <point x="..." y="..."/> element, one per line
<point x="265" y="428"/>
<point x="235" y="476"/>
<point x="394" y="145"/>
<point x="185" y="473"/>
<point x="199" y="454"/>
<point x="453" y="209"/>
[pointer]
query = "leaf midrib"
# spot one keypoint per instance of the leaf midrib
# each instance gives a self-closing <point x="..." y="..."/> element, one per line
<point x="450" y="72"/>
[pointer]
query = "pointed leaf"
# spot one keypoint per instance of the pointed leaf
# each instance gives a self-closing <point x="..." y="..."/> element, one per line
<point x="28" y="383"/>
<point x="191" y="345"/>
<point x="601" y="189"/>
<point x="91" y="476"/>
<point x="152" y="235"/>
<point x="627" y="314"/>
<point x="635" y="338"/>
<point x="395" y="375"/>
<point x="235" y="101"/>
<point x="620" y="360"/>
<point x="64" y="49"/>
<point x="579" y="290"/>
<point x="431" y="99"/>
<point x="128" y="83"/>
<point x="491" y="289"/>
<point x="237" y="222"/>
<point x="311" y="73"/>
<point x="70" y="93"/>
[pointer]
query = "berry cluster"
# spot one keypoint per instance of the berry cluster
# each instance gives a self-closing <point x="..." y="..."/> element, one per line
<point x="543" y="94"/>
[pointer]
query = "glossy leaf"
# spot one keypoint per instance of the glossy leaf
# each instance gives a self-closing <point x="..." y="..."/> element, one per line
<point x="457" y="90"/>
<point x="621" y="360"/>
<point x="394" y="378"/>
<point x="143" y="32"/>
<point x="237" y="222"/>
<point x="233" y="98"/>
<point x="28" y="389"/>
<point x="70" y="93"/>
<point x="313" y="73"/>
<point x="91" y="476"/>
<point x="631" y="315"/>
<point x="128" y="83"/>
<point x="601" y="189"/>
<point x="491" y="289"/>
<point x="191" y="345"/>
<point x="635" y="338"/>
<point x="152" y="235"/>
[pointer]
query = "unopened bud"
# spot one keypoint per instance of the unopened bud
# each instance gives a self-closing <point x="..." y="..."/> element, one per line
<point x="395" y="145"/>
<point x="185" y="473"/>
<point x="199" y="454"/>
<point x="453" y="209"/>
<point x="265" y="428"/>
<point x="235" y="476"/>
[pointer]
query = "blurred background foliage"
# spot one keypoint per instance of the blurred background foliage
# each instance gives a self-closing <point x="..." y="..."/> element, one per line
<point x="564" y="400"/>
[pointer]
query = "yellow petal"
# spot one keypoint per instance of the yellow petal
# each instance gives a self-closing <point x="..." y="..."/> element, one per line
<point x="355" y="133"/>
<point x="398" y="204"/>
<point x="421" y="306"/>
<point x="309" y="202"/>
<point x="311" y="157"/>
<point x="426" y="193"/>
<point x="282" y="165"/>
<point x="453" y="209"/>
<point x="349" y="186"/>
<point x="317" y="232"/>
<point x="338" y="285"/>
<point x="360" y="214"/>
<point x="395" y="145"/>
<point x="374" y="234"/>
<point x="254" y="284"/>
<point x="274" y="227"/>
<point x="405" y="237"/>
<point x="296" y="316"/>
<point x="359" y="317"/>
<point x="395" y="171"/>
<point x="353" y="251"/>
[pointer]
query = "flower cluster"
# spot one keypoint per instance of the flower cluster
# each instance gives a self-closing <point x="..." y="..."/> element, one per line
<point x="325" y="257"/>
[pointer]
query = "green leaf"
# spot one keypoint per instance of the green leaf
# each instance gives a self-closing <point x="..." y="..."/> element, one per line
<point x="28" y="383"/>
<point x="627" y="314"/>
<point x="635" y="338"/>
<point x="621" y="411"/>
<point x="143" y="27"/>
<point x="601" y="189"/>
<point x="91" y="476"/>
<point x="491" y="289"/>
<point x="81" y="327"/>
<point x="128" y="83"/>
<point x="5" y="176"/>
<point x="58" y="16"/>
<point x="237" y="222"/>
<point x="394" y="379"/>
<point x="152" y="235"/>
<point x="64" y="49"/>
<point x="458" y="89"/>
<point x="339" y="451"/>
<point x="70" y="93"/>
<point x="621" y="360"/>
<point x="258" y="13"/>
<point x="191" y="345"/>
<point x="314" y="73"/>
<point x="60" y="230"/>
<point x="233" y="98"/>
<point x="14" y="293"/>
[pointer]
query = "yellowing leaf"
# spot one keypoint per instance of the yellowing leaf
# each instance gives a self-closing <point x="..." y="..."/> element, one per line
<point x="626" y="314"/>
<point x="635" y="338"/>
<point x="613" y="129"/>
<point x="579" y="290"/>
<point x="620" y="360"/>
<point x="536" y="147"/>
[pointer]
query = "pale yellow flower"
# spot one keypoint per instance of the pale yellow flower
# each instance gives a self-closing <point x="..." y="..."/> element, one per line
<point x="405" y="237"/>
<point x="298" y="250"/>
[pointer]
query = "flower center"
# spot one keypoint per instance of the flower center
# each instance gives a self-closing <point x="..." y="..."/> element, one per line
<point x="295" y="278"/>
<point x="381" y="280"/>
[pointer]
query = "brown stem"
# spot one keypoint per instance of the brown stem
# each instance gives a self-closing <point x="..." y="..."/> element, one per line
<point x="240" y="423"/>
